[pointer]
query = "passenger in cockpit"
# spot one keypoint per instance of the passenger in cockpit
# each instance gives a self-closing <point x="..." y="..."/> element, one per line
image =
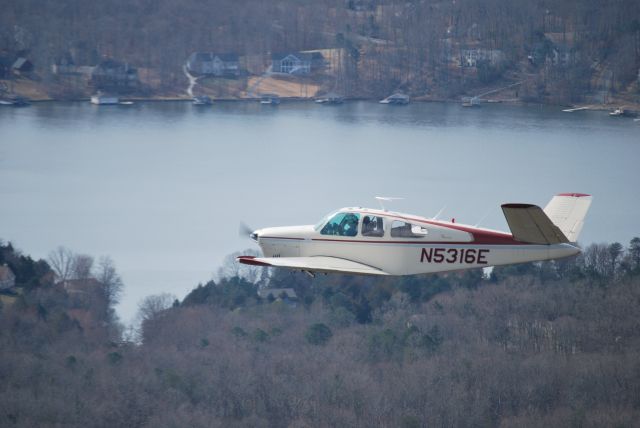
<point x="350" y="225"/>
<point x="367" y="226"/>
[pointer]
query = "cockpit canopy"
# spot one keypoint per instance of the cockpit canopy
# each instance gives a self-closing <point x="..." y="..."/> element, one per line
<point x="342" y="224"/>
<point x="349" y="223"/>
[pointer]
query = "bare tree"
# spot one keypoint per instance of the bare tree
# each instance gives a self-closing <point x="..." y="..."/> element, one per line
<point x="151" y="306"/>
<point x="231" y="268"/>
<point x="109" y="279"/>
<point x="62" y="261"/>
<point x="81" y="266"/>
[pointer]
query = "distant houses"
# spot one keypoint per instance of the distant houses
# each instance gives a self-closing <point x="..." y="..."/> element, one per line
<point x="114" y="75"/>
<point x="78" y="60"/>
<point x="65" y="65"/>
<point x="299" y="63"/>
<point x="554" y="49"/>
<point x="229" y="65"/>
<point x="108" y="74"/>
<point x="11" y="65"/>
<point x="214" y="64"/>
<point x="22" y="66"/>
<point x="473" y="56"/>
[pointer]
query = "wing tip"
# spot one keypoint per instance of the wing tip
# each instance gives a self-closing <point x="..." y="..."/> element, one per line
<point x="574" y="195"/>
<point x="251" y="260"/>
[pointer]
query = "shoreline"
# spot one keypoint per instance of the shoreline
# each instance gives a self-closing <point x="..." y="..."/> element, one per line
<point x="159" y="99"/>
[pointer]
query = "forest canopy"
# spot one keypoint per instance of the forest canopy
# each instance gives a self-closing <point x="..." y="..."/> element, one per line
<point x="553" y="343"/>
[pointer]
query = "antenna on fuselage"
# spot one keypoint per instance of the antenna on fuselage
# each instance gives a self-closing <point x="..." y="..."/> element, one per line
<point x="435" y="217"/>
<point x="483" y="217"/>
<point x="386" y="198"/>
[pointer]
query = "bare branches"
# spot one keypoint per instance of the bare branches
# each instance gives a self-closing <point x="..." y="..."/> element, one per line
<point x="82" y="266"/>
<point x="151" y="306"/>
<point x="61" y="261"/>
<point x="109" y="279"/>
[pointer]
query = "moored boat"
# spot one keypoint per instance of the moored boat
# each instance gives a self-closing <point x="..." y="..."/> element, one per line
<point x="330" y="98"/>
<point x="202" y="100"/>
<point x="396" y="99"/>
<point x="102" y="99"/>
<point x="270" y="99"/>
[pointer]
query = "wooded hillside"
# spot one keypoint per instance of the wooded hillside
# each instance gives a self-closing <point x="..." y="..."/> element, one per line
<point x="552" y="344"/>
<point x="561" y="51"/>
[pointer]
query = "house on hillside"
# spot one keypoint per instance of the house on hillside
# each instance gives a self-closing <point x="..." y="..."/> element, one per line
<point x="22" y="66"/>
<point x="563" y="51"/>
<point x="83" y="54"/>
<point x="110" y="74"/>
<point x="71" y="63"/>
<point x="298" y="63"/>
<point x="87" y="285"/>
<point x="213" y="64"/>
<point x="7" y="278"/>
<point x="472" y="56"/>
<point x="64" y="65"/>
<point x="554" y="49"/>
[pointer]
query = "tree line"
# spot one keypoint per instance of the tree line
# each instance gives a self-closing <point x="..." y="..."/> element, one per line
<point x="554" y="343"/>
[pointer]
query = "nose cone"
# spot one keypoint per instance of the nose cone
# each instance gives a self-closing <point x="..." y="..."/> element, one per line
<point x="254" y="236"/>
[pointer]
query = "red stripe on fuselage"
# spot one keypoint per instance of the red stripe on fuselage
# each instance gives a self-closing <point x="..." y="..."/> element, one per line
<point x="480" y="237"/>
<point x="478" y="234"/>
<point x="280" y="237"/>
<point x="420" y="242"/>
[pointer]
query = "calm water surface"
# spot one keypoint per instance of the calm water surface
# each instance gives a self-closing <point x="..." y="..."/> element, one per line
<point x="162" y="187"/>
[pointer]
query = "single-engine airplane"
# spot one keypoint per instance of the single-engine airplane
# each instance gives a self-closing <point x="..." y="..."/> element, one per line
<point x="380" y="242"/>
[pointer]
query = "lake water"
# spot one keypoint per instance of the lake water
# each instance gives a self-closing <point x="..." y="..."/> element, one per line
<point x="162" y="187"/>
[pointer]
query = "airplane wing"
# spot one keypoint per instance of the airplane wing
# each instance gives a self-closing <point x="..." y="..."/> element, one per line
<point x="529" y="224"/>
<point x="313" y="264"/>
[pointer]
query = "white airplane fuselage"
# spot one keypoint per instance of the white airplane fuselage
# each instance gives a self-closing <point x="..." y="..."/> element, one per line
<point x="440" y="246"/>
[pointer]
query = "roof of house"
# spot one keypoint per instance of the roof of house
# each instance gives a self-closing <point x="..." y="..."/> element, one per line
<point x="302" y="56"/>
<point x="112" y="64"/>
<point x="210" y="56"/>
<point x="20" y="62"/>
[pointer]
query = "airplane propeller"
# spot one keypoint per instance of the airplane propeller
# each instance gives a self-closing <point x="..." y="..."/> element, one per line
<point x="245" y="230"/>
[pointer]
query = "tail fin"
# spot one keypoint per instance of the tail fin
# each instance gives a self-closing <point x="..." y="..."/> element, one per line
<point x="530" y="225"/>
<point x="567" y="211"/>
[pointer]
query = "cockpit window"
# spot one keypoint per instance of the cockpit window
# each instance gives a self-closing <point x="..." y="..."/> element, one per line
<point x="324" y="220"/>
<point x="342" y="224"/>
<point x="372" y="226"/>
<point x="401" y="229"/>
